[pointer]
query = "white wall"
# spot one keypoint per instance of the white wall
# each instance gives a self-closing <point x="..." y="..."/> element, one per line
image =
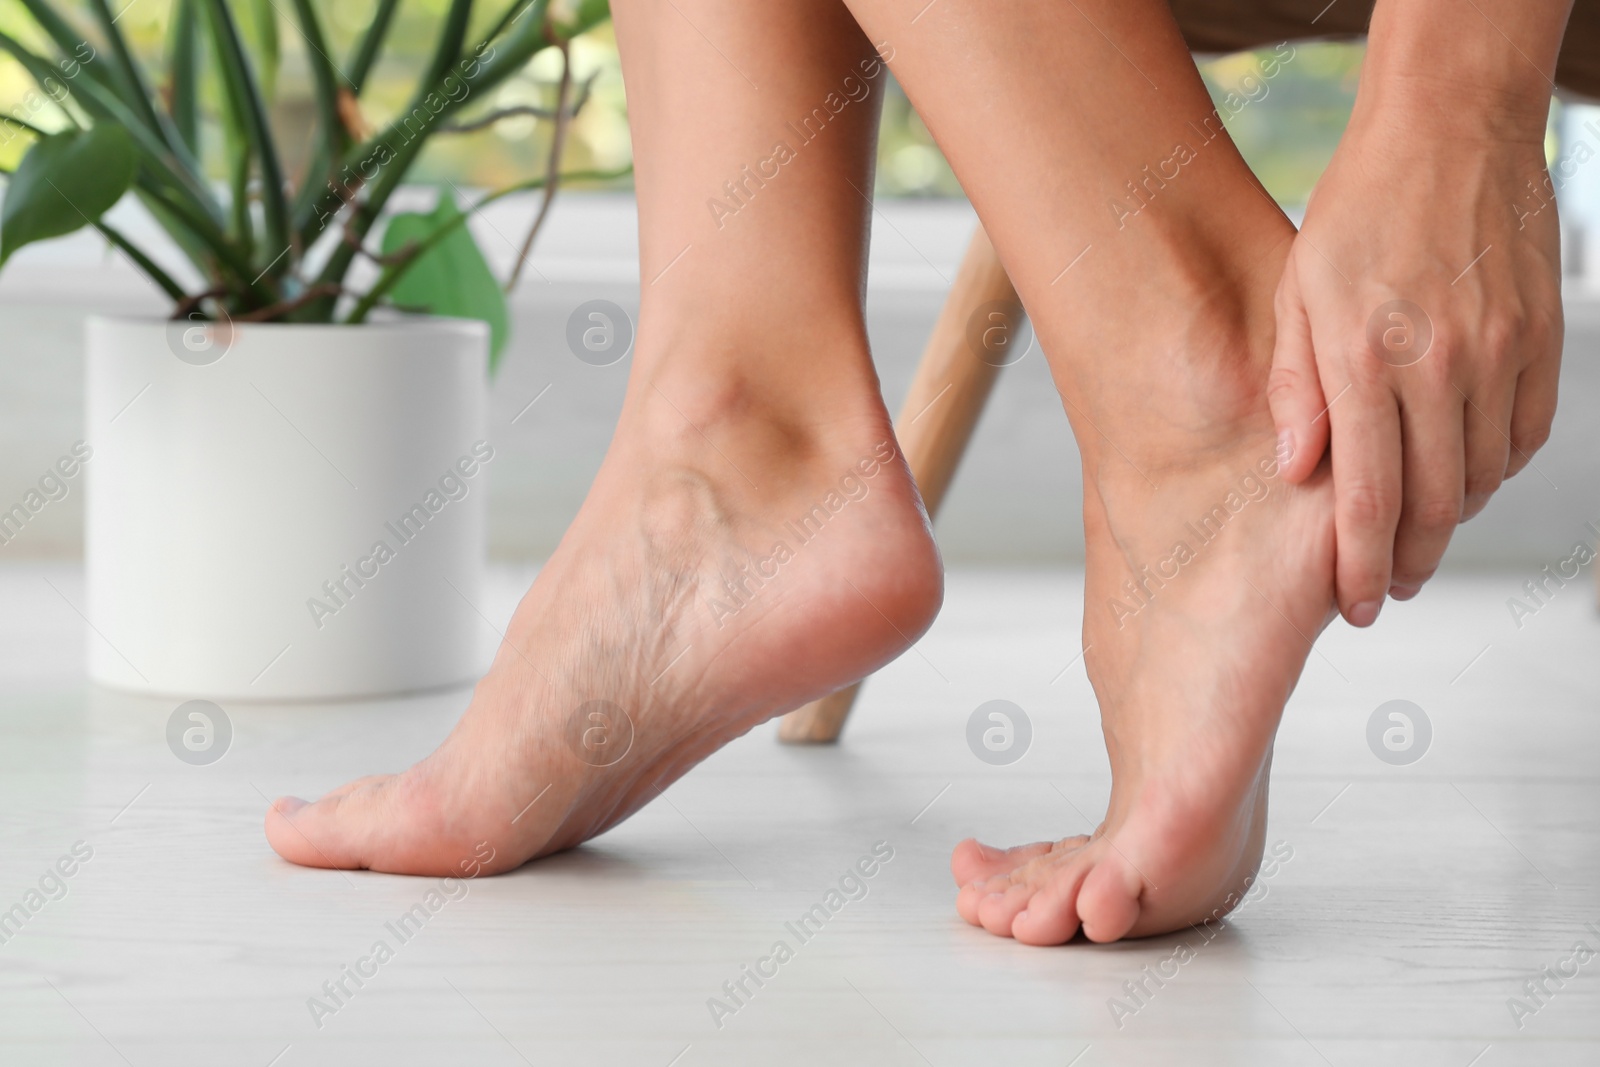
<point x="1015" y="500"/>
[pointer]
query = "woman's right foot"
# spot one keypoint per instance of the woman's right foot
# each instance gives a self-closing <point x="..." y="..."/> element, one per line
<point x="1207" y="579"/>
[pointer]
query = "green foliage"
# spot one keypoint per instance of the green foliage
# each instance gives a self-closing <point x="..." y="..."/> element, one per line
<point x="259" y="28"/>
<point x="66" y="182"/>
<point x="575" y="17"/>
<point x="271" y="245"/>
<point x="451" y="277"/>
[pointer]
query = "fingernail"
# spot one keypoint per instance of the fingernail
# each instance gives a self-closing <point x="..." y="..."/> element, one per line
<point x="289" y="805"/>
<point x="1365" y="613"/>
<point x="1404" y="592"/>
<point x="1285" y="446"/>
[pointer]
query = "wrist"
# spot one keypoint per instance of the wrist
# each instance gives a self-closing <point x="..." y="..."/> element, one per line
<point x="1421" y="112"/>
<point x="1454" y="74"/>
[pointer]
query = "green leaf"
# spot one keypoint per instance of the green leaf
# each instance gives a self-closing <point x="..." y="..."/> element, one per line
<point x="65" y="182"/>
<point x="400" y="143"/>
<point x="129" y="79"/>
<point x="245" y="105"/>
<point x="107" y="108"/>
<point x="371" y="44"/>
<point x="450" y="278"/>
<point x="325" y="79"/>
<point x="259" y="28"/>
<point x="183" y="71"/>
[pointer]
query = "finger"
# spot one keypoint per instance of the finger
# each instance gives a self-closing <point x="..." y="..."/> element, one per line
<point x="1433" y="469"/>
<point x="1533" y="410"/>
<point x="1366" y="490"/>
<point x="1486" y="421"/>
<point x="1294" y="390"/>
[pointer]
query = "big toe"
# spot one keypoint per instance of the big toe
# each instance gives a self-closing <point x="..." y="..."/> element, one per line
<point x="1108" y="903"/>
<point x="342" y="830"/>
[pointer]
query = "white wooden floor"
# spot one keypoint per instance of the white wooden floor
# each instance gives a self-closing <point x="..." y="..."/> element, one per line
<point x="1418" y="900"/>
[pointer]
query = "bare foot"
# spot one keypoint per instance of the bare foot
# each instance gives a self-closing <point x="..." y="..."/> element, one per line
<point x="731" y="562"/>
<point x="1208" y="577"/>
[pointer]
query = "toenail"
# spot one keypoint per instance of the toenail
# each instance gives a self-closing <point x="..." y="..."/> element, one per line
<point x="1365" y="613"/>
<point x="1021" y="917"/>
<point x="1404" y="592"/>
<point x="1285" y="450"/>
<point x="290" y="805"/>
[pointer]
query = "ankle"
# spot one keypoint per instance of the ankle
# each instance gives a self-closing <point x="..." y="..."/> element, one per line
<point x="1182" y="364"/>
<point x="794" y="397"/>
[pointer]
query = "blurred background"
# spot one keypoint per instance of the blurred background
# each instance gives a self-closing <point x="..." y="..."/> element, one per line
<point x="1287" y="134"/>
<point x="1016" y="498"/>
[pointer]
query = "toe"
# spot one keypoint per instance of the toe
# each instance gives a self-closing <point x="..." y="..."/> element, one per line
<point x="973" y="861"/>
<point x="997" y="910"/>
<point x="1051" y="917"/>
<point x="972" y="895"/>
<point x="967" y="903"/>
<point x="1108" y="903"/>
<point x="337" y="831"/>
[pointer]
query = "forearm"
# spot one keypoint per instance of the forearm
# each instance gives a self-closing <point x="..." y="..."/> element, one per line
<point x="1479" y="68"/>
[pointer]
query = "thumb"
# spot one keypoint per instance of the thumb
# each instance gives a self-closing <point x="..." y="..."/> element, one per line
<point x="1294" y="388"/>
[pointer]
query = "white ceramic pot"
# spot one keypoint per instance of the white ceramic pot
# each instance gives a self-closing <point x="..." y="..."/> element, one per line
<point x="286" y="512"/>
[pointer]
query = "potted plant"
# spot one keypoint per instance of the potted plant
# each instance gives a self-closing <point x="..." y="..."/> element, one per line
<point x="286" y="480"/>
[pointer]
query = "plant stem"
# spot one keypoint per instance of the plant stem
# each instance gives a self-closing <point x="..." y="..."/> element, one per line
<point x="391" y="275"/>
<point x="558" y="139"/>
<point x="284" y="307"/>
<point x="190" y="303"/>
<point x="524" y="110"/>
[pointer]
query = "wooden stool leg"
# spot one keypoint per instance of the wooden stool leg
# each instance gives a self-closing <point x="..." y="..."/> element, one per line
<point x="936" y="422"/>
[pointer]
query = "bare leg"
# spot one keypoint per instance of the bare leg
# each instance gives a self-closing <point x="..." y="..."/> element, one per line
<point x="1147" y="257"/>
<point x="753" y="539"/>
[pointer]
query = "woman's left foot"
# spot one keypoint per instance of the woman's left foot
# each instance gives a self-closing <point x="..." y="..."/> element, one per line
<point x="733" y="560"/>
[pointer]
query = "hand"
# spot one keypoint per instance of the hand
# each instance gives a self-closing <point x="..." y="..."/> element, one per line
<point x="1420" y="325"/>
